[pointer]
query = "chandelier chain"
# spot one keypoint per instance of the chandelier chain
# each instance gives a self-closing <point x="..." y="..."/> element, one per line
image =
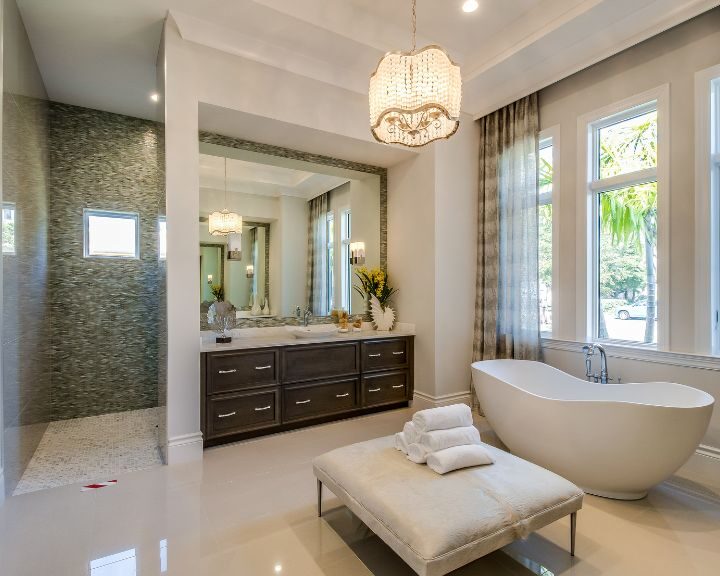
<point x="414" y="24"/>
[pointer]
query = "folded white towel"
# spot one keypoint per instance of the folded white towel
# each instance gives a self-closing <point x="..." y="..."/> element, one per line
<point x="440" y="439"/>
<point x="401" y="442"/>
<point x="458" y="457"/>
<point x="435" y="440"/>
<point x="442" y="418"/>
<point x="411" y="433"/>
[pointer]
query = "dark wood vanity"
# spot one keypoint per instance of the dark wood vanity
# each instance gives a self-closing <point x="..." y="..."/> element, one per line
<point x="256" y="391"/>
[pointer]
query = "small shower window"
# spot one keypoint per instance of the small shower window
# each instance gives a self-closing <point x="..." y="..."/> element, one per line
<point x="8" y="228"/>
<point x="110" y="234"/>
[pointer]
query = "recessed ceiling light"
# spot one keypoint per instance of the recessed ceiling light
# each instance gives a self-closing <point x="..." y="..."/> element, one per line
<point x="155" y="97"/>
<point x="278" y="568"/>
<point x="470" y="6"/>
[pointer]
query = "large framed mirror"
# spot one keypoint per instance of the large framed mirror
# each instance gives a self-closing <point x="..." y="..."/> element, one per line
<point x="308" y="222"/>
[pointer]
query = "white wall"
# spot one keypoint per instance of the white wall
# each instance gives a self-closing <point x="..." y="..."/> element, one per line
<point x="456" y="216"/>
<point x="293" y="255"/>
<point x="365" y="203"/>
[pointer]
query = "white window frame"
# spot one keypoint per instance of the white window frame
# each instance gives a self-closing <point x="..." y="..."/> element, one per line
<point x="87" y="212"/>
<point x="552" y="134"/>
<point x="587" y="218"/>
<point x="707" y="211"/>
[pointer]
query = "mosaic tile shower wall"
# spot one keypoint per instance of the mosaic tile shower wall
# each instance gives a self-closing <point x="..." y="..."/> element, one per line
<point x="26" y="329"/>
<point x="105" y="311"/>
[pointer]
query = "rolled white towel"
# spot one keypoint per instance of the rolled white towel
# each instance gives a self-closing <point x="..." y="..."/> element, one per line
<point x="440" y="439"/>
<point x="442" y="418"/>
<point x="458" y="457"/>
<point x="411" y="433"/>
<point x="417" y="453"/>
<point x="401" y="442"/>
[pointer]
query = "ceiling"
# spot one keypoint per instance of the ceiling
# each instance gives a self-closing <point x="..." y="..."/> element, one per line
<point x="264" y="179"/>
<point x="101" y="54"/>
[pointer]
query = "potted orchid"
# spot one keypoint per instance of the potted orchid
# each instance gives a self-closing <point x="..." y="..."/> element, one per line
<point x="376" y="290"/>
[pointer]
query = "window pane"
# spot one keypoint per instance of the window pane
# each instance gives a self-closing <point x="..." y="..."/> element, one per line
<point x="111" y="235"/>
<point x="628" y="146"/>
<point x="331" y="261"/>
<point x="162" y="241"/>
<point x="628" y="264"/>
<point x="545" y="169"/>
<point x="8" y="229"/>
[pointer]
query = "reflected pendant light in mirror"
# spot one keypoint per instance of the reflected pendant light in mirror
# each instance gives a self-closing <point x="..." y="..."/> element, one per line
<point x="415" y="96"/>
<point x="225" y="222"/>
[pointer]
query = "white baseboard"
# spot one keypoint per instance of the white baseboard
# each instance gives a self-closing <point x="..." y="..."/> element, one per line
<point x="422" y="400"/>
<point x="703" y="472"/>
<point x="185" y="448"/>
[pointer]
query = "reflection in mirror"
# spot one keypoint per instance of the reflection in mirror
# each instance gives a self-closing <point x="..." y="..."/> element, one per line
<point x="305" y="227"/>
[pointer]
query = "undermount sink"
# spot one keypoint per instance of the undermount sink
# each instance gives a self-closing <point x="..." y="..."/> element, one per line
<point x="321" y="331"/>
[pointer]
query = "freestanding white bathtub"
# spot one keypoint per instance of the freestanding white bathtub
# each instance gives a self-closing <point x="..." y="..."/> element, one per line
<point x="612" y="440"/>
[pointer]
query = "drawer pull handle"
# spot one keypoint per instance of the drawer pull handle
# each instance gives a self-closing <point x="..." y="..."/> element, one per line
<point x="263" y="408"/>
<point x="399" y="386"/>
<point x="263" y="367"/>
<point x="227" y="371"/>
<point x="227" y="415"/>
<point x="374" y="390"/>
<point x="374" y="355"/>
<point x="303" y="402"/>
<point x="398" y="353"/>
<point x="342" y="395"/>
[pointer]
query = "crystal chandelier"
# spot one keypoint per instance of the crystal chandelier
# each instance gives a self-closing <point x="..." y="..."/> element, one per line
<point x="225" y="222"/>
<point x="415" y="96"/>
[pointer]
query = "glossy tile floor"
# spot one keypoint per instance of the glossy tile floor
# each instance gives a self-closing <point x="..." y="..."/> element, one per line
<point x="249" y="510"/>
<point x="93" y="449"/>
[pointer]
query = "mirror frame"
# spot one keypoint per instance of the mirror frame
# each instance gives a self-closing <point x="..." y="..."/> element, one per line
<point x="271" y="150"/>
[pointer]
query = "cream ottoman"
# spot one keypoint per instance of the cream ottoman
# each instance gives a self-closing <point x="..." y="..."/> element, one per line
<point x="440" y="523"/>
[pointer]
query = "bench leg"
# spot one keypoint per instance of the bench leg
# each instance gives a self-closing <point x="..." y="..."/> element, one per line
<point x="319" y="496"/>
<point x="573" y="527"/>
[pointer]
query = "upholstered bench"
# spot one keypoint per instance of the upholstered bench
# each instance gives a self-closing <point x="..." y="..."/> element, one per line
<point x="439" y="523"/>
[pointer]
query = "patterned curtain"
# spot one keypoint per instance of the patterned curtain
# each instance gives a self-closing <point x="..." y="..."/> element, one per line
<point x="506" y="309"/>
<point x="317" y="268"/>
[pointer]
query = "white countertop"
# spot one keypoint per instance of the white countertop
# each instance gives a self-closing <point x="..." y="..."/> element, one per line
<point x="248" y="338"/>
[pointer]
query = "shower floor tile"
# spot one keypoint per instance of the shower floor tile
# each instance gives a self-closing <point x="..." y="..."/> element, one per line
<point x="93" y="449"/>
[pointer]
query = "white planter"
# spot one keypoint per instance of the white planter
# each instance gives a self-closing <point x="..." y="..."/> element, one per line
<point x="383" y="319"/>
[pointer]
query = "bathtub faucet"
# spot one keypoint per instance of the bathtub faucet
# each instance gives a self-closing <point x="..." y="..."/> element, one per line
<point x="589" y="350"/>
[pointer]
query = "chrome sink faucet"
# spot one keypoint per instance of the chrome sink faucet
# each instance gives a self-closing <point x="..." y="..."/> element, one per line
<point x="304" y="314"/>
<point x="589" y="350"/>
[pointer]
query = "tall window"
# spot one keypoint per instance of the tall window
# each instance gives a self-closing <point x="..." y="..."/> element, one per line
<point x="624" y="163"/>
<point x="330" y="261"/>
<point x="8" y="228"/>
<point x="545" y="233"/>
<point x="715" y="209"/>
<point x="346" y="280"/>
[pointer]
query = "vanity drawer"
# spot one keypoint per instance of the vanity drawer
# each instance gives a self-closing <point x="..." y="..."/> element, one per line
<point x="313" y="400"/>
<point x="321" y="361"/>
<point x="242" y="412"/>
<point x="232" y="371"/>
<point x="385" y="354"/>
<point x="388" y="388"/>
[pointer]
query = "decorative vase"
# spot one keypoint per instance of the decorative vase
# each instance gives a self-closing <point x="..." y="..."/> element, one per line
<point x="266" y="309"/>
<point x="383" y="318"/>
<point x="256" y="310"/>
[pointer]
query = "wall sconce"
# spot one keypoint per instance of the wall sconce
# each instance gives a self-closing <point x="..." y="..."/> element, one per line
<point x="210" y="279"/>
<point x="250" y="270"/>
<point x="357" y="253"/>
<point x="234" y="247"/>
